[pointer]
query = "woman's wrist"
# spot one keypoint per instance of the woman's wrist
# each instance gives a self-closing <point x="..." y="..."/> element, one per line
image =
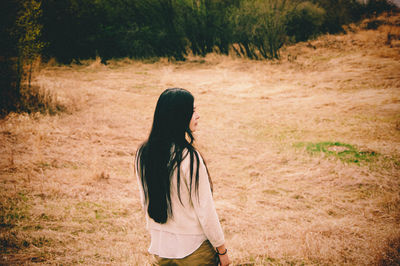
<point x="221" y="250"/>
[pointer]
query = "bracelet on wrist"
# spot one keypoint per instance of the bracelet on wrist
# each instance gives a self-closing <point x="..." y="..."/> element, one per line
<point x="223" y="253"/>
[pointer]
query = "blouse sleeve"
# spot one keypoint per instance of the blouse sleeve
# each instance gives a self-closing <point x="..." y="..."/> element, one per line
<point x="204" y="207"/>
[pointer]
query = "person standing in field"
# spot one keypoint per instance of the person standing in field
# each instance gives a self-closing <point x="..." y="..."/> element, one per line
<point x="176" y="189"/>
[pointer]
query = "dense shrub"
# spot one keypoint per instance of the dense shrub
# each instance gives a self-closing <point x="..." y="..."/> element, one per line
<point x="205" y="25"/>
<point x="339" y="13"/>
<point x="259" y="27"/>
<point x="376" y="7"/>
<point x="134" y="28"/>
<point x="8" y="67"/>
<point x="305" y="21"/>
<point x="70" y="29"/>
<point x="20" y="46"/>
<point x="81" y="29"/>
<point x="160" y="25"/>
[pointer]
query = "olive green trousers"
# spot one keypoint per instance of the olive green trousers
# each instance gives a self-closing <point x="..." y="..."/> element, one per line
<point x="204" y="255"/>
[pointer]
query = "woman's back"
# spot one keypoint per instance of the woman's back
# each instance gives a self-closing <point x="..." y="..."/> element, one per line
<point x="175" y="187"/>
<point x="192" y="210"/>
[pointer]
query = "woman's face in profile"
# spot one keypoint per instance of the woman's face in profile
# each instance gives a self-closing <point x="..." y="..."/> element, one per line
<point x="194" y="120"/>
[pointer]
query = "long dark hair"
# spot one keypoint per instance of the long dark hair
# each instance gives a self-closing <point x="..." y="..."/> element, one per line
<point x="162" y="153"/>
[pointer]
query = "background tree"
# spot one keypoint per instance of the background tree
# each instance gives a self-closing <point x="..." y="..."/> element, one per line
<point x="8" y="57"/>
<point x="27" y="31"/>
<point x="21" y="45"/>
<point x="259" y="27"/>
<point x="305" y="21"/>
<point x="70" y="28"/>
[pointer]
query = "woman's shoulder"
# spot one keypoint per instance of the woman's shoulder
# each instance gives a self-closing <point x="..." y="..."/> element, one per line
<point x="187" y="152"/>
<point x="191" y="156"/>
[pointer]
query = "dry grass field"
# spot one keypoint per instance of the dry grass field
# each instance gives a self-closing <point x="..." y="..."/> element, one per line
<point x="304" y="153"/>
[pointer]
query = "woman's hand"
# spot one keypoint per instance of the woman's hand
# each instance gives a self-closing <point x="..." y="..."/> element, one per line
<point x="223" y="256"/>
<point x="224" y="260"/>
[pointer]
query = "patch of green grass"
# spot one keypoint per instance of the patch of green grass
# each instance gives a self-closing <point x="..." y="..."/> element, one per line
<point x="41" y="241"/>
<point x="99" y="214"/>
<point x="345" y="152"/>
<point x="95" y="212"/>
<point x="32" y="228"/>
<point x="141" y="73"/>
<point x="23" y="196"/>
<point x="44" y="216"/>
<point x="298" y="197"/>
<point x="14" y="210"/>
<point x="150" y="60"/>
<point x="71" y="165"/>
<point x="43" y="166"/>
<point x="282" y="261"/>
<point x="87" y="205"/>
<point x="320" y="58"/>
<point x="271" y="192"/>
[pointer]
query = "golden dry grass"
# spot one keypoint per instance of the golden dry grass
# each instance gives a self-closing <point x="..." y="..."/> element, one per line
<point x="68" y="195"/>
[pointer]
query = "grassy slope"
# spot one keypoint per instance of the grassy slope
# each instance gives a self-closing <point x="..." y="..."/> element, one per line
<point x="68" y="195"/>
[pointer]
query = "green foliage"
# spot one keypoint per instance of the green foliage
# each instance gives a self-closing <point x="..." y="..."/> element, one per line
<point x="339" y="13"/>
<point x="9" y="78"/>
<point x="21" y="46"/>
<point x="205" y="25"/>
<point x="259" y="27"/>
<point x="13" y="210"/>
<point x="345" y="152"/>
<point x="35" y="99"/>
<point x="376" y="7"/>
<point x="305" y="21"/>
<point x="70" y="28"/>
<point x="27" y="31"/>
<point x="342" y="12"/>
<point x="162" y="28"/>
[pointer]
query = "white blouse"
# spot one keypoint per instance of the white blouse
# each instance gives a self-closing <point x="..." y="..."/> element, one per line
<point x="192" y="222"/>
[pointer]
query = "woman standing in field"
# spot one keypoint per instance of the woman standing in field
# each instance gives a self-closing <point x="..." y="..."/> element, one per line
<point x="175" y="188"/>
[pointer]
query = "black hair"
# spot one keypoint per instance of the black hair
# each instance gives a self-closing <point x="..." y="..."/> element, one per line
<point x="162" y="153"/>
